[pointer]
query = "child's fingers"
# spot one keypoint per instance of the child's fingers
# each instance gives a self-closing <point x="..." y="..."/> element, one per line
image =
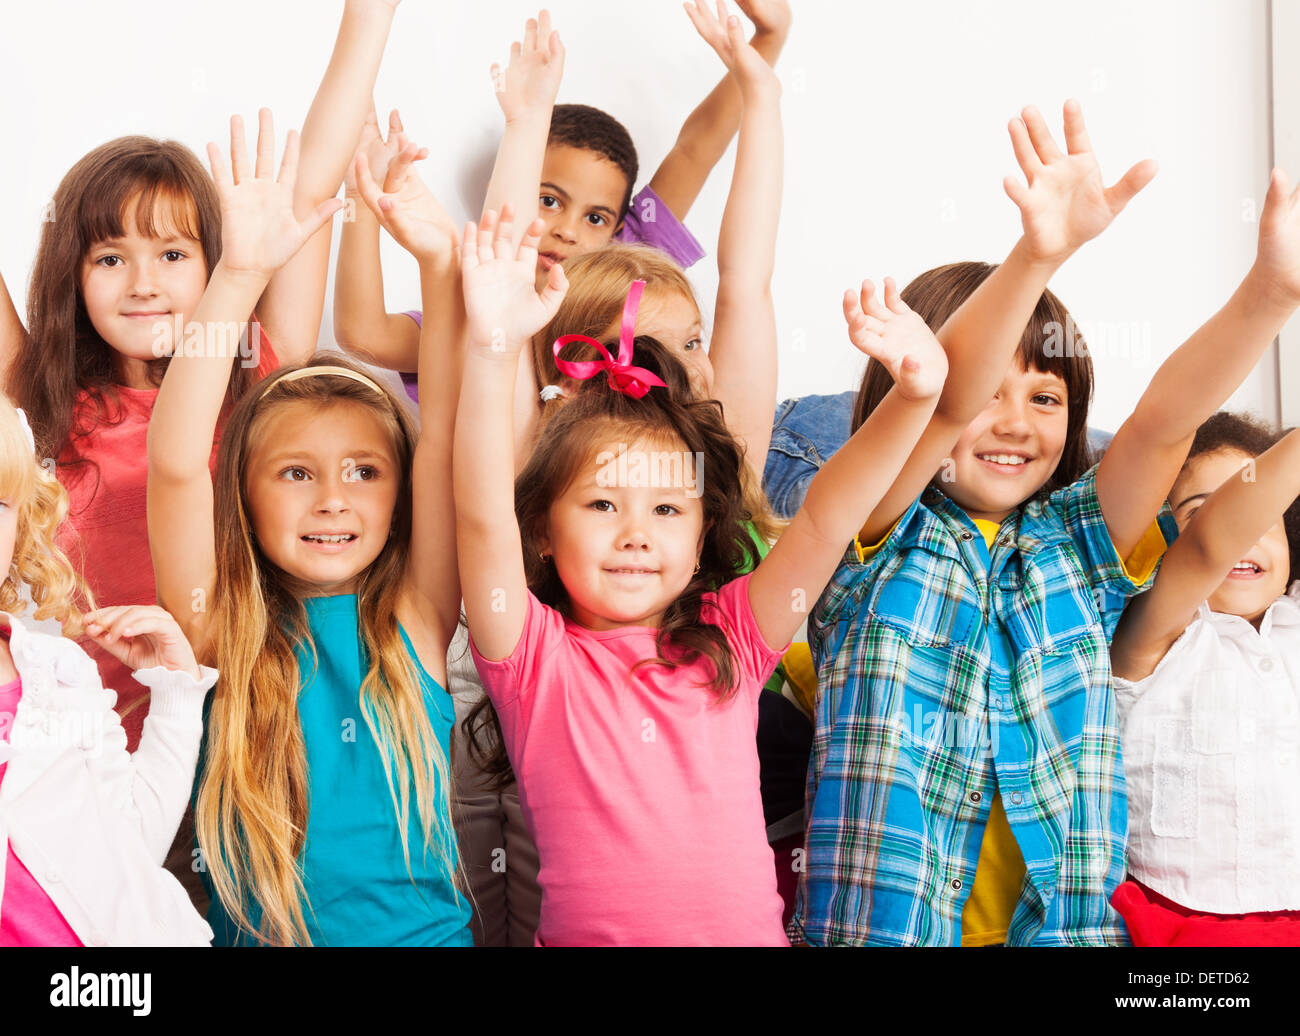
<point x="530" y="35"/>
<point x="366" y="186"/>
<point x="98" y="621"/>
<point x="220" y="171"/>
<point x="544" y="28"/>
<point x="1076" y="134"/>
<point x="469" y="247"/>
<point x="289" y="162"/>
<point x="503" y="241"/>
<point x="1026" y="156"/>
<point x="320" y="215"/>
<point x="486" y="226"/>
<point x="892" y="299"/>
<point x="1040" y="135"/>
<point x="265" y="145"/>
<point x="238" y="150"/>
<point x="871" y="304"/>
<point x="394" y="122"/>
<point x="532" y="240"/>
<point x="1132" y="182"/>
<point x="1016" y="191"/>
<point x="554" y="290"/>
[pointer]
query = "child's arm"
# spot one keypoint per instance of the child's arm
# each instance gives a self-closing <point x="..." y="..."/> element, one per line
<point x="409" y="212"/>
<point x="744" y="353"/>
<point x="708" y="130"/>
<point x="504" y="312"/>
<point x="151" y="786"/>
<point x="294" y="301"/>
<point x="853" y="481"/>
<point x="526" y="92"/>
<point x="1065" y="205"/>
<point x="1222" y="532"/>
<point x="362" y="324"/>
<point x="1149" y="449"/>
<point x="259" y="234"/>
<point x="12" y="334"/>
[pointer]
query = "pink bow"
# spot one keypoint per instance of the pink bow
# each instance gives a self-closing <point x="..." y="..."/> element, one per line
<point x="622" y="376"/>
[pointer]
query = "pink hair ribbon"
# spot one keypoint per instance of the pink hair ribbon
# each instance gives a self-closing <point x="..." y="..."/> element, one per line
<point x="622" y="376"/>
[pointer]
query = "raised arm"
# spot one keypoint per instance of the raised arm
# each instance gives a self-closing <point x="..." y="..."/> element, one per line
<point x="362" y="324"/>
<point x="743" y="353"/>
<point x="12" y="334"/>
<point x="259" y="234"/>
<point x="853" y="481"/>
<point x="526" y="92"/>
<point x="292" y="305"/>
<point x="1149" y="449"/>
<point x="1221" y="532"/>
<point x="409" y="212"/>
<point x="708" y="130"/>
<point x="504" y="312"/>
<point x="1065" y="205"/>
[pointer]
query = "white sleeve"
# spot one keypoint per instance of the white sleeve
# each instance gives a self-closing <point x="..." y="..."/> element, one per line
<point x="151" y="787"/>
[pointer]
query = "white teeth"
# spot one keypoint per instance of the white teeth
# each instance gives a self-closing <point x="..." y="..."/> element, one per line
<point x="1002" y="458"/>
<point x="1246" y="566"/>
<point x="340" y="538"/>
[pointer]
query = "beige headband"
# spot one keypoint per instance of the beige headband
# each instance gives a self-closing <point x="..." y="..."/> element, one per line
<point x="311" y="372"/>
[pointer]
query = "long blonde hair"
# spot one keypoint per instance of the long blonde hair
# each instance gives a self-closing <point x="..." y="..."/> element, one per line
<point x="252" y="809"/>
<point x="55" y="586"/>
<point x="598" y="286"/>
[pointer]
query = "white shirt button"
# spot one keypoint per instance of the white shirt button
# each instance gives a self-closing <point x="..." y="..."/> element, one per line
<point x="1265" y="665"/>
<point x="97" y="938"/>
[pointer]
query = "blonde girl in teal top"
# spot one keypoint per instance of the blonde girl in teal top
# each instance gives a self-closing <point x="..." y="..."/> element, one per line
<point x="327" y="584"/>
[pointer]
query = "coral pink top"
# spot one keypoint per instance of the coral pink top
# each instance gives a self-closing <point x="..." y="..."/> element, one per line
<point x="640" y="790"/>
<point x="106" y="534"/>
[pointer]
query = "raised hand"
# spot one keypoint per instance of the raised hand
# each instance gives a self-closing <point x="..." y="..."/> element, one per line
<point x="770" y="17"/>
<point x="532" y="78"/>
<point x="1066" y="202"/>
<point x="1278" y="258"/>
<point x="405" y="207"/>
<point x="501" y="298"/>
<point x="894" y="335"/>
<point x="141" y="636"/>
<point x="259" y="232"/>
<point x="725" y="35"/>
<point x="379" y="151"/>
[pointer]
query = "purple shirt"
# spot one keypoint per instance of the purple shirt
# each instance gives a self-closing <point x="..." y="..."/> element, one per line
<point x="648" y="221"/>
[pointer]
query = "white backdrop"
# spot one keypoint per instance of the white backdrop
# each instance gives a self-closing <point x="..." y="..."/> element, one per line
<point x="895" y="120"/>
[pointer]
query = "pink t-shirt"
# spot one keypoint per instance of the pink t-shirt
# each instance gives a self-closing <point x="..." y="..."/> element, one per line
<point x="106" y="534"/>
<point x="641" y="792"/>
<point x="27" y="916"/>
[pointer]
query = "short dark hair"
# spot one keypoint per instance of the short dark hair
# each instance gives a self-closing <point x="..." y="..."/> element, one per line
<point x="936" y="294"/>
<point x="1245" y="434"/>
<point x="588" y="128"/>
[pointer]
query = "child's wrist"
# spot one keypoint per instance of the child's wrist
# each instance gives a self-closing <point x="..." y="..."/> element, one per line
<point x="1264" y="290"/>
<point x="1024" y="255"/>
<point x="250" y="276"/>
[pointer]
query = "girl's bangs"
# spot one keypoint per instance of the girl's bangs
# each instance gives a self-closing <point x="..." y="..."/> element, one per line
<point x="157" y="208"/>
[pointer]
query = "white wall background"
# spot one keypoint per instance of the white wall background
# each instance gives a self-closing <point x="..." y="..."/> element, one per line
<point x="895" y="120"/>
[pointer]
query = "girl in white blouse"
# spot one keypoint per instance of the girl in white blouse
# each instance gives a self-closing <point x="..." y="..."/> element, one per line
<point x="1207" y="676"/>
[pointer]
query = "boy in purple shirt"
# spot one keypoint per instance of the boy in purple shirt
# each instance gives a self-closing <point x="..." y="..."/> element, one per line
<point x="577" y="162"/>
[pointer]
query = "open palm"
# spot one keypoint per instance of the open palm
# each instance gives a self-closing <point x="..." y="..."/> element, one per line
<point x="501" y="299"/>
<point x="259" y="231"/>
<point x="1066" y="203"/>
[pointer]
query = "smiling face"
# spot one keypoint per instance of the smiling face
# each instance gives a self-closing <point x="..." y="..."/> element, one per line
<point x="135" y="286"/>
<point x="581" y="203"/>
<point x="320" y="488"/>
<point x="674" y="321"/>
<point x="626" y="534"/>
<point x="1260" y="577"/>
<point x="1010" y="451"/>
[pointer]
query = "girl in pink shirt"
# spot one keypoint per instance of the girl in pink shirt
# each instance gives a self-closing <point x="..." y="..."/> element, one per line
<point x="622" y="656"/>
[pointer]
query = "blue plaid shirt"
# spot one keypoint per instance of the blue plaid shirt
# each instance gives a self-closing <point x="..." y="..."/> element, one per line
<point x="947" y="674"/>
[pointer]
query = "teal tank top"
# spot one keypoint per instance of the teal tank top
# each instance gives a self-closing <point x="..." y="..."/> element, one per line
<point x="358" y="888"/>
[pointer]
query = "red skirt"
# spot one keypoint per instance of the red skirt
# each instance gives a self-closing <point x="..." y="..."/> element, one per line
<point x="1155" y="921"/>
